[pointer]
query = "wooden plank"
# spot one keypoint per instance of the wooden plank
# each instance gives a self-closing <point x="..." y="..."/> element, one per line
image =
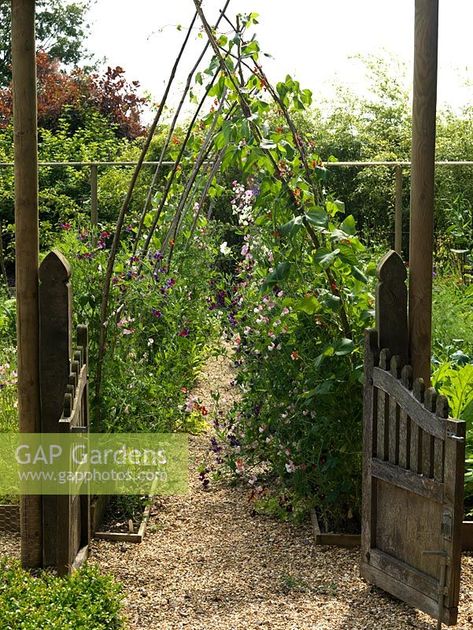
<point x="404" y="573"/>
<point x="391" y="305"/>
<point x="407" y="524"/>
<point x="119" y="537"/>
<point x="405" y="593"/>
<point x="426" y="420"/>
<point x="382" y="425"/>
<point x="454" y="487"/>
<point x="369" y="435"/>
<point x="408" y="480"/>
<point x="55" y="303"/>
<point x="404" y="439"/>
<point x="405" y="422"/>
<point x="347" y="541"/>
<point x="422" y="186"/>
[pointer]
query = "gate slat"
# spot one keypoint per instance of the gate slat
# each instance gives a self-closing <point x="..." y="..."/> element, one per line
<point x="423" y="486"/>
<point x="413" y="466"/>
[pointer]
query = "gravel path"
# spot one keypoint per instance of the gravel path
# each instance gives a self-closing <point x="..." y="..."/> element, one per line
<point x="207" y="563"/>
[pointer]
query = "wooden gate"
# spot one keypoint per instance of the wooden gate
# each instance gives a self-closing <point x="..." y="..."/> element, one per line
<point x="413" y="467"/>
<point x="64" y="409"/>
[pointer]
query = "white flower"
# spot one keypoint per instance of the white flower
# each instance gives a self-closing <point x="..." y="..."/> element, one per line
<point x="290" y="467"/>
<point x="224" y="249"/>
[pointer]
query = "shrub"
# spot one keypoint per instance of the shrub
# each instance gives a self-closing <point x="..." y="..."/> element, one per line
<point x="86" y="599"/>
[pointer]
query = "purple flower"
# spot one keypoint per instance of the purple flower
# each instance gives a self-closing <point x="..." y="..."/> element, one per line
<point x="134" y="259"/>
<point x="158" y="255"/>
<point x="215" y="445"/>
<point x="184" y="332"/>
<point x="156" y="313"/>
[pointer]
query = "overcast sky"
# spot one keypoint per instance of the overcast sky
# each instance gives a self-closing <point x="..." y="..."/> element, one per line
<point x="314" y="40"/>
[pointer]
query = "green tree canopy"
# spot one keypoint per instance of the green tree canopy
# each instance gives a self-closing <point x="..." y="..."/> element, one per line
<point x="61" y="29"/>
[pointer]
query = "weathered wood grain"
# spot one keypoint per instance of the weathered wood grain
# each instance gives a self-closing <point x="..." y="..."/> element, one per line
<point x="391" y="305"/>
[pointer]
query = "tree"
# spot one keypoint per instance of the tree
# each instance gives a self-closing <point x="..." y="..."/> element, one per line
<point x="61" y="29"/>
<point x="71" y="96"/>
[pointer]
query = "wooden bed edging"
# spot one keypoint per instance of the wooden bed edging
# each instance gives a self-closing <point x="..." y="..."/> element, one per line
<point x="128" y="536"/>
<point x="354" y="540"/>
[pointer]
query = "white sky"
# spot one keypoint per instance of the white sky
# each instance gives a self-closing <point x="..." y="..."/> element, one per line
<point x="314" y="40"/>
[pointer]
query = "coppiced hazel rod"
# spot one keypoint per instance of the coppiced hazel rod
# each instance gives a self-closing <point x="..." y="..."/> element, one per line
<point x="172" y="175"/>
<point x="205" y="192"/>
<point x="202" y="155"/>
<point x="247" y="112"/>
<point x="171" y="130"/>
<point x="124" y="210"/>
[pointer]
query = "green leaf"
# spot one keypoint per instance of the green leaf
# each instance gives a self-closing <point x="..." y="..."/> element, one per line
<point x="324" y="257"/>
<point x="349" y="225"/>
<point x="267" y="144"/>
<point x="317" y="217"/>
<point x="291" y="227"/>
<point x="278" y="275"/>
<point x="330" y="301"/>
<point x="343" y="347"/>
<point x="309" y="304"/>
<point x="359" y="275"/>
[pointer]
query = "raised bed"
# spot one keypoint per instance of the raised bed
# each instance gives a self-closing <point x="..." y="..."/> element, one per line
<point x="131" y="536"/>
<point x="354" y="540"/>
<point x="333" y="539"/>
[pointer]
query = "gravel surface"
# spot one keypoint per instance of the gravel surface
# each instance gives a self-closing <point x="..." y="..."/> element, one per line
<point x="207" y="563"/>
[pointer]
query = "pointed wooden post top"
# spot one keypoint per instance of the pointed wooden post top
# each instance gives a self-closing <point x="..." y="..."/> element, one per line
<point x="55" y="267"/>
<point x="391" y="305"/>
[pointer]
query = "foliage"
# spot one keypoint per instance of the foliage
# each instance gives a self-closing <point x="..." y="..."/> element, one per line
<point x="377" y="127"/>
<point x="86" y="599"/>
<point x="61" y="30"/>
<point x="294" y="363"/>
<point x="81" y="92"/>
<point x="160" y="329"/>
<point x="452" y="320"/>
<point x="456" y="383"/>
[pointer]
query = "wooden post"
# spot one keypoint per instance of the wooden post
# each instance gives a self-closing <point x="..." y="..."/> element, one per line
<point x="55" y="358"/>
<point x="398" y="212"/>
<point x="422" y="186"/>
<point x="27" y="247"/>
<point x="94" y="212"/>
